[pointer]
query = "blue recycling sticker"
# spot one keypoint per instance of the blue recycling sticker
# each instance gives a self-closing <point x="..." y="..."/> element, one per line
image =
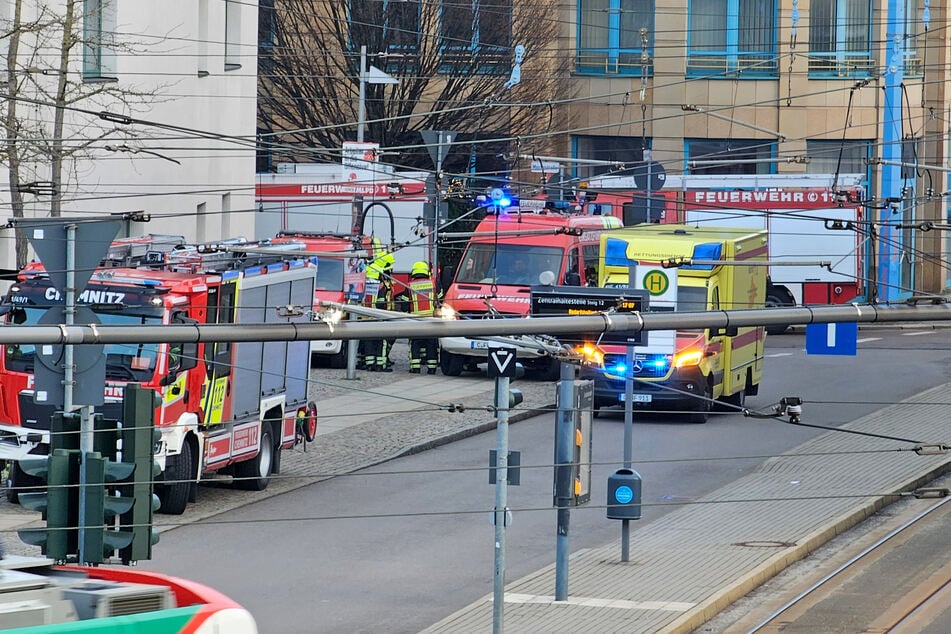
<point x="623" y="494"/>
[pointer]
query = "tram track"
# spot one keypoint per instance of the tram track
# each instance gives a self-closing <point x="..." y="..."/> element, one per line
<point x="900" y="583"/>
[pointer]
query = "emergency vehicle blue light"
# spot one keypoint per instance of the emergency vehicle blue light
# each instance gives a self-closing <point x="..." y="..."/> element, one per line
<point x="705" y="251"/>
<point x="253" y="270"/>
<point x="615" y="253"/>
<point x="504" y="201"/>
<point x="618" y="369"/>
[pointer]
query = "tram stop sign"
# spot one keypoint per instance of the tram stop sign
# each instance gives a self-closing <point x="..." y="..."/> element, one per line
<point x="551" y="301"/>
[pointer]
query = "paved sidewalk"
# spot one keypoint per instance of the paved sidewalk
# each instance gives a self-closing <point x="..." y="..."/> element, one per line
<point x="690" y="564"/>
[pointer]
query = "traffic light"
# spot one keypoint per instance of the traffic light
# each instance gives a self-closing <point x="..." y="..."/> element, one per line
<point x="139" y="437"/>
<point x="59" y="503"/>
<point x="101" y="536"/>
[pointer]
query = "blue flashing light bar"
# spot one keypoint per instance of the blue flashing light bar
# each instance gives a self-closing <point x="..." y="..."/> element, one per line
<point x="705" y="251"/>
<point x="615" y="253"/>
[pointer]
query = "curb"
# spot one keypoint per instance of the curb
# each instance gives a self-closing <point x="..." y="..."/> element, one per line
<point x="728" y="595"/>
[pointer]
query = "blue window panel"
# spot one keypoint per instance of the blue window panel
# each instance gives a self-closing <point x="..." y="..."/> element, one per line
<point x="732" y="39"/>
<point x="840" y="39"/>
<point x="609" y="37"/>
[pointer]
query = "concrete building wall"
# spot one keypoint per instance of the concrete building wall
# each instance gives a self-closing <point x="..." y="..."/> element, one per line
<point x="174" y="64"/>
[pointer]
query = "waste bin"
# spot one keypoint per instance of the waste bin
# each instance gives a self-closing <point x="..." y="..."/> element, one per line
<point x="624" y="495"/>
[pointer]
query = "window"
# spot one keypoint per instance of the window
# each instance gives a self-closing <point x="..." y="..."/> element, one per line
<point x="734" y="38"/>
<point x="611" y="149"/>
<point x="609" y="36"/>
<point x="202" y="38"/>
<point x="392" y="26"/>
<point x="914" y="26"/>
<point x="99" y="27"/>
<point x="476" y="35"/>
<point x="844" y="157"/>
<point x="730" y="156"/>
<point x="232" y="34"/>
<point x="840" y="38"/>
<point x="267" y="34"/>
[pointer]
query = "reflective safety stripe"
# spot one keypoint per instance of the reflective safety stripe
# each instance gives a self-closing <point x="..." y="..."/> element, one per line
<point x="422" y="295"/>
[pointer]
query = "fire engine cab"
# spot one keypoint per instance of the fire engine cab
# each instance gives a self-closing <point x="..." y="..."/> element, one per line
<point x="224" y="407"/>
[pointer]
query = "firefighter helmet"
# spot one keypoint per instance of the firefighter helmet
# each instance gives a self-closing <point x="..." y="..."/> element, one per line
<point x="420" y="268"/>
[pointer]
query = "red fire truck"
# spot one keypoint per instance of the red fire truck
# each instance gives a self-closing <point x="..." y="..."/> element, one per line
<point x="507" y="254"/>
<point x="225" y="407"/>
<point x="341" y="279"/>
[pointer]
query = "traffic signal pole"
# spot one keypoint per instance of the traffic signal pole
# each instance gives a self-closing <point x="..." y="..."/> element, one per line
<point x="565" y="429"/>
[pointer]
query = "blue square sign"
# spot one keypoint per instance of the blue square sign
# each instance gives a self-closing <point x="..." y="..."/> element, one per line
<point x="832" y="338"/>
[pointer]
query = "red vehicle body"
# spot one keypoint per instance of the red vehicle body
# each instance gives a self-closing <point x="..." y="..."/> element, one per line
<point x="225" y="407"/>
<point x="554" y="248"/>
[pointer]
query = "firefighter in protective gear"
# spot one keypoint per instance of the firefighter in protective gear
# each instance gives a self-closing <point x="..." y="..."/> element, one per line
<point x="419" y="299"/>
<point x="379" y="277"/>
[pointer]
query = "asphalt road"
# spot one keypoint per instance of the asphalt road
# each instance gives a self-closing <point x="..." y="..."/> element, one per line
<point x="399" y="546"/>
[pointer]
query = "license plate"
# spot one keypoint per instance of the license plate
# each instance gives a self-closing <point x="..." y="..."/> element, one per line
<point x="635" y="398"/>
<point x="479" y="344"/>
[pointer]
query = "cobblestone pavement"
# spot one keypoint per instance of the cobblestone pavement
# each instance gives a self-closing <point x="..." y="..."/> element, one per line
<point x="350" y="449"/>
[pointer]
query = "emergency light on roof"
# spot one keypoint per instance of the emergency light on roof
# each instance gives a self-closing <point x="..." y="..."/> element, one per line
<point x="705" y="251"/>
<point x="615" y="253"/>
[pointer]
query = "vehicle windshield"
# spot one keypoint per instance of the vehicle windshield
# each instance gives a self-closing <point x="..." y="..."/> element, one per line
<point x="512" y="264"/>
<point x="124" y="361"/>
<point x="329" y="274"/>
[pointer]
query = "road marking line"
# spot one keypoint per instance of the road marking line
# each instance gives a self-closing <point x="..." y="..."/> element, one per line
<point x="667" y="606"/>
<point x="779" y="354"/>
<point x="917" y="332"/>
<point x="867" y="339"/>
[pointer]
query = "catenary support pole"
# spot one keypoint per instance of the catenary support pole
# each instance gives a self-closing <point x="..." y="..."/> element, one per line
<point x="501" y="500"/>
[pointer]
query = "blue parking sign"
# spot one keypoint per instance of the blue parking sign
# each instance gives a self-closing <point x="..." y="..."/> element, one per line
<point x="832" y="338"/>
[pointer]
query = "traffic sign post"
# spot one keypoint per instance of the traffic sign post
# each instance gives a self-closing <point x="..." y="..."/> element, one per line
<point x="502" y="368"/>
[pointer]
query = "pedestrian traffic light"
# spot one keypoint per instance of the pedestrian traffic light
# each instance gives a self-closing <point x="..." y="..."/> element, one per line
<point x="59" y="503"/>
<point x="139" y="438"/>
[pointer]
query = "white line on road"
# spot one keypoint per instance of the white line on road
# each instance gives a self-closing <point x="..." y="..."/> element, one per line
<point x="917" y="332"/>
<point x="867" y="339"/>
<point x="779" y="354"/>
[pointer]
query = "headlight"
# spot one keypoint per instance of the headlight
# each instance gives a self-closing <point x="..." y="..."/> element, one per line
<point x="688" y="358"/>
<point x="590" y="354"/>
<point x="446" y="312"/>
<point x="331" y="316"/>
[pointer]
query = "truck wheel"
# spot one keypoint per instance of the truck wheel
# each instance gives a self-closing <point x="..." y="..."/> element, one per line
<point x="701" y="415"/>
<point x="180" y="473"/>
<point x="774" y="300"/>
<point x="253" y="474"/>
<point x="19" y="481"/>
<point x="339" y="360"/>
<point x="450" y="363"/>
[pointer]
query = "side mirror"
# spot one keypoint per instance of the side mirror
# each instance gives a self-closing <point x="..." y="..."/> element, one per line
<point x="446" y="275"/>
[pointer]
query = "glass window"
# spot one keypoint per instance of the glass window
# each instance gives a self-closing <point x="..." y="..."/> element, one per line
<point x="609" y="36"/>
<point x="512" y="264"/>
<point x="843" y="157"/>
<point x="730" y="156"/>
<point x="476" y="36"/>
<point x="611" y="149"/>
<point x="840" y="38"/>
<point x="99" y="27"/>
<point x="329" y="274"/>
<point x="735" y="38"/>
<point x="232" y="34"/>
<point x="914" y="27"/>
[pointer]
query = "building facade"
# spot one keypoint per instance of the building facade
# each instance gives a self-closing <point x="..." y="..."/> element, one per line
<point x="149" y="107"/>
